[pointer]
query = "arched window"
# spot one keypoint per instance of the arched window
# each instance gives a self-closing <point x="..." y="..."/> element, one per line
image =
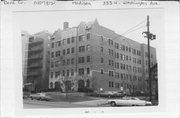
<point x="51" y="85"/>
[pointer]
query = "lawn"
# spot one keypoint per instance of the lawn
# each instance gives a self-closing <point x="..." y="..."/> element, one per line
<point x="70" y="98"/>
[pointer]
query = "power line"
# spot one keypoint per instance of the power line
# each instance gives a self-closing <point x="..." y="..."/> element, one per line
<point x="134" y="30"/>
<point x="133" y="27"/>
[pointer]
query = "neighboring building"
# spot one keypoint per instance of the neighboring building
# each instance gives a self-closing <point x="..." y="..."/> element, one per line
<point x="38" y="60"/>
<point x="95" y="57"/>
<point x="153" y="60"/>
<point x="25" y="39"/>
<point x="154" y="81"/>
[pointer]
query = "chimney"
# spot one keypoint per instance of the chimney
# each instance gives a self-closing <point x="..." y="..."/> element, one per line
<point x="66" y="25"/>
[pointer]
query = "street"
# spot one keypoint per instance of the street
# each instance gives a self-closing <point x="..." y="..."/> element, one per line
<point x="51" y="104"/>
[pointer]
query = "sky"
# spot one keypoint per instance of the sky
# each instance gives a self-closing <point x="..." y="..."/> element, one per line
<point x="120" y="21"/>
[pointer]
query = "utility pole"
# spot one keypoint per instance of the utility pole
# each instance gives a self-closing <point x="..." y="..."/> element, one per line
<point x="149" y="37"/>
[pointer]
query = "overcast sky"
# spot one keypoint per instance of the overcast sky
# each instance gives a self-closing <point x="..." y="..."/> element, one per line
<point x="117" y="20"/>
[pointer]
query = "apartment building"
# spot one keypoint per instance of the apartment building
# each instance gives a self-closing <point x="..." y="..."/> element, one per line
<point x="38" y="61"/>
<point x="95" y="57"/>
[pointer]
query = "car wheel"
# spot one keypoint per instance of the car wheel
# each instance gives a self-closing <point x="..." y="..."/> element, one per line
<point x="113" y="103"/>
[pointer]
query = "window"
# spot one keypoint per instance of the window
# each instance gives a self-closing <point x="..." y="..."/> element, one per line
<point x="127" y="67"/>
<point x="109" y="62"/>
<point x="72" y="72"/>
<point x="88" y="36"/>
<point x="121" y="66"/>
<point x="52" y="64"/>
<point x="110" y="52"/>
<point x="88" y="58"/>
<point x="52" y="45"/>
<point x="129" y="58"/>
<point x="58" y="53"/>
<point x="68" y="50"/>
<point x="124" y="66"/>
<point x="63" y="62"/>
<point x="151" y="56"/>
<point x="72" y="61"/>
<point x="134" y="60"/>
<point x="52" y="54"/>
<point x="102" y="39"/>
<point x="134" y="51"/>
<point x="111" y="74"/>
<point x="117" y="45"/>
<point x="117" y="55"/>
<point x="123" y="57"/>
<point x="63" y="73"/>
<point x="67" y="73"/>
<point x="82" y="49"/>
<point x="112" y="84"/>
<point x="81" y="71"/>
<point x="56" y="63"/>
<point x="109" y="41"/>
<point x="57" y="74"/>
<point x="101" y="49"/>
<point x="64" y="41"/>
<point x="52" y="74"/>
<point x="81" y="38"/>
<point x="102" y="61"/>
<point x="117" y="65"/>
<point x="121" y="76"/>
<point x="81" y="59"/>
<point x="127" y="48"/>
<point x="73" y="39"/>
<point x="87" y="47"/>
<point x="109" y="84"/>
<point x="68" y="61"/>
<point x="68" y="41"/>
<point x="102" y="71"/>
<point x="139" y="61"/>
<point x="123" y="47"/>
<point x="126" y="58"/>
<point x="64" y="52"/>
<point x="88" y="71"/>
<point x="59" y="43"/>
<point x="72" y="50"/>
<point x="146" y="62"/>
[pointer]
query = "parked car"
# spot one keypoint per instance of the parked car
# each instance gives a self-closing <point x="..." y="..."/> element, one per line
<point x="106" y="94"/>
<point x="129" y="101"/>
<point x="40" y="96"/>
<point x="118" y="94"/>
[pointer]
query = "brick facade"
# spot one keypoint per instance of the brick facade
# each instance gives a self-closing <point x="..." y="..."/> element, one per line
<point x="95" y="57"/>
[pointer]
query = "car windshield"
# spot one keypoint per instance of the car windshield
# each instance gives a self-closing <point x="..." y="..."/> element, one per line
<point x="42" y="94"/>
<point x="133" y="98"/>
